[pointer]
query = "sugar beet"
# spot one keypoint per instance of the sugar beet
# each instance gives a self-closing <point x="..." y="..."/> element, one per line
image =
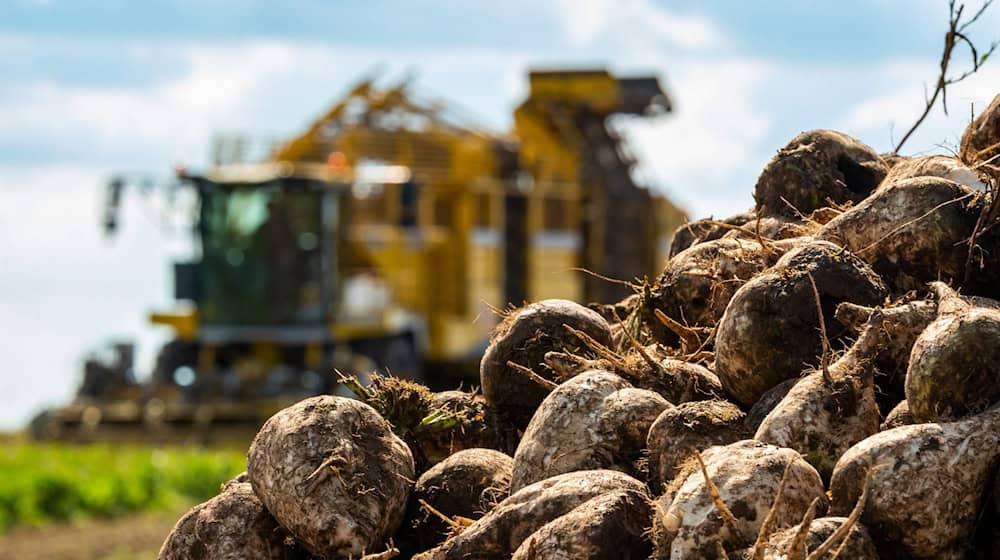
<point x="747" y="475"/>
<point x="523" y="338"/>
<point x="771" y="329"/>
<point x="680" y="432"/>
<point x="926" y="484"/>
<point x="612" y="526"/>
<point x="498" y="534"/>
<point x="816" y="167"/>
<point x="465" y="485"/>
<point x="911" y="232"/>
<point x="594" y="421"/>
<point x="333" y="474"/>
<point x="231" y="526"/>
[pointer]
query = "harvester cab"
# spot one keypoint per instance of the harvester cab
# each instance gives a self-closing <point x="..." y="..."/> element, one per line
<point x="270" y="305"/>
<point x="274" y="272"/>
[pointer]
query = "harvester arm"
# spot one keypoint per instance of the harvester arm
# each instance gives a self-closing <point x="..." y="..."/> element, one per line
<point x="299" y="147"/>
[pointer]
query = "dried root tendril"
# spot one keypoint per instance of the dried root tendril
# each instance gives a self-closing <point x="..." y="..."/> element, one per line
<point x="798" y="547"/>
<point x="689" y="338"/>
<point x="530" y="374"/>
<point x="388" y="554"/>
<point x="727" y="516"/>
<point x="772" y="516"/>
<point x="457" y="523"/>
<point x="845" y="528"/>
<point x="596" y="347"/>
<point x="825" y="358"/>
<point x="330" y="466"/>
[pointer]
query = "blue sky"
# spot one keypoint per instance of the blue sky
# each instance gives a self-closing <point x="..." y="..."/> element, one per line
<point x="94" y="87"/>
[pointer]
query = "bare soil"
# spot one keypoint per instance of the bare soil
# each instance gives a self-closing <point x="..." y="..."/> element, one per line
<point x="128" y="538"/>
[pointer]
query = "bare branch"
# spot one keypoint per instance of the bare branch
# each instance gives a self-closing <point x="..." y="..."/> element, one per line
<point x="975" y="54"/>
<point x="975" y="17"/>
<point x="952" y="37"/>
<point x="980" y="60"/>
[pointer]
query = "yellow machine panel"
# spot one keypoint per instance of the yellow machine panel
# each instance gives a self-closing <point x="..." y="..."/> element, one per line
<point x="445" y="235"/>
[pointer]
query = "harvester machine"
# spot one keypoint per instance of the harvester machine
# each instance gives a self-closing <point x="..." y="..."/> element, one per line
<point x="382" y="238"/>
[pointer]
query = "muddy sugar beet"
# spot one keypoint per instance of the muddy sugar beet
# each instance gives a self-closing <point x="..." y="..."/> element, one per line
<point x="499" y="534"/>
<point x="464" y="487"/>
<point x="233" y="524"/>
<point x="333" y="474"/>
<point x="594" y="421"/>
<point x="910" y="231"/>
<point x="926" y="484"/>
<point x="771" y="328"/>
<point x="954" y="364"/>
<point x="832" y="408"/>
<point x="523" y="339"/>
<point x="747" y="475"/>
<point x="816" y="168"/>
<point x="680" y="432"/>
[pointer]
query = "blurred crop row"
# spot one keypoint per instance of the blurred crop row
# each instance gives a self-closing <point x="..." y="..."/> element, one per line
<point x="42" y="483"/>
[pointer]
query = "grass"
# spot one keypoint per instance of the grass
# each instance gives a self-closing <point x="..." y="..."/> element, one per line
<point x="55" y="482"/>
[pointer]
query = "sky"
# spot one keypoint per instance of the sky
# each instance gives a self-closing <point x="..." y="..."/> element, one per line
<point x="93" y="88"/>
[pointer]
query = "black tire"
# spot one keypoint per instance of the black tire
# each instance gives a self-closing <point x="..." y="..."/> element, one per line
<point x="173" y="355"/>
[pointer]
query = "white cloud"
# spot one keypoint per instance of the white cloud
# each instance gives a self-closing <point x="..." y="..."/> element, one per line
<point x="170" y="119"/>
<point x="899" y="100"/>
<point x="709" y="148"/>
<point x="582" y="21"/>
<point x="259" y="86"/>
<point x="634" y="24"/>
<point x="716" y="136"/>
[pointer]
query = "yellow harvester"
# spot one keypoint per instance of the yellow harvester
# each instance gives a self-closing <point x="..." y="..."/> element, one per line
<point x="384" y="237"/>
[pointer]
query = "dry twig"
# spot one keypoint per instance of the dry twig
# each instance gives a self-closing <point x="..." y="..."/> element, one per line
<point x="954" y="37"/>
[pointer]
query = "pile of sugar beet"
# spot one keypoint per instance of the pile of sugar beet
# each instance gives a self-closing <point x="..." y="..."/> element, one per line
<point x="816" y="378"/>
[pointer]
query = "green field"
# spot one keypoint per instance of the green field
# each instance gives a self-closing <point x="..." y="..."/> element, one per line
<point x="41" y="483"/>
